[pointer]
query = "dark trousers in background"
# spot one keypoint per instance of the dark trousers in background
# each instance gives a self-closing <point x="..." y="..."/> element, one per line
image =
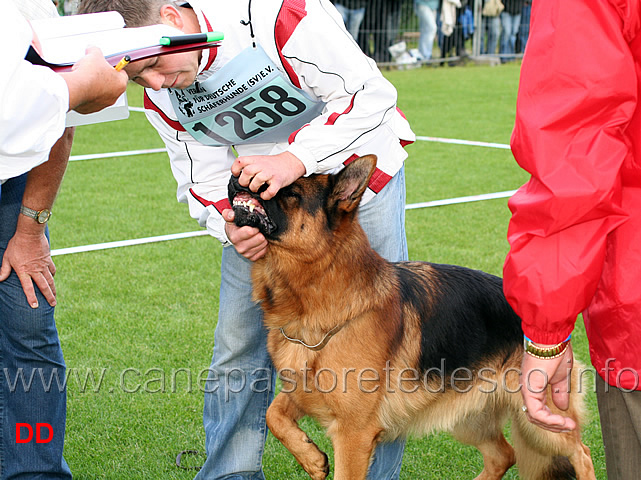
<point x="380" y="28"/>
<point x="620" y="414"/>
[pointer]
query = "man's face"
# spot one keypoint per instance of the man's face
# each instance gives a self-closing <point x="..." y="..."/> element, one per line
<point x="177" y="70"/>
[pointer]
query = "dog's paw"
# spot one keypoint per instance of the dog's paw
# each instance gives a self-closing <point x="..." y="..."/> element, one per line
<point x="319" y="468"/>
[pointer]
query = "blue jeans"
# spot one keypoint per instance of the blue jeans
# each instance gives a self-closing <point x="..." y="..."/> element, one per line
<point x="352" y="18"/>
<point x="510" y="24"/>
<point x="493" y="27"/>
<point x="427" y="27"/>
<point x="31" y="364"/>
<point x="241" y="380"/>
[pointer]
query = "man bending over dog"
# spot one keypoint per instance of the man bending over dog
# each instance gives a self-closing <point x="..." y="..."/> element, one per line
<point x="293" y="94"/>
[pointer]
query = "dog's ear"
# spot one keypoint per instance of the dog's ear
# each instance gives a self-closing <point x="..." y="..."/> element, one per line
<point x="351" y="183"/>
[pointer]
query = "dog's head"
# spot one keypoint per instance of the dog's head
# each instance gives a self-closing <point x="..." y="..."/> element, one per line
<point x="308" y="209"/>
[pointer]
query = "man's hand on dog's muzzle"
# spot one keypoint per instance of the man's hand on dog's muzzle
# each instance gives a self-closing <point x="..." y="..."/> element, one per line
<point x="275" y="171"/>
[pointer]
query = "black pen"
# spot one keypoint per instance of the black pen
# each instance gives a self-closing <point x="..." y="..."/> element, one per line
<point x="191" y="38"/>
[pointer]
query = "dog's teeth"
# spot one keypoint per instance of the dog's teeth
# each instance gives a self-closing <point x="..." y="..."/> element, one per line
<point x="245" y="203"/>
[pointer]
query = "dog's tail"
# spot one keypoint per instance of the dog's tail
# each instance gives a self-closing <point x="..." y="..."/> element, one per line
<point x="534" y="465"/>
<point x="544" y="455"/>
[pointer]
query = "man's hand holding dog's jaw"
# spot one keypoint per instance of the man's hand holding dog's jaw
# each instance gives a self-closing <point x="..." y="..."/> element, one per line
<point x="536" y="375"/>
<point x="247" y="241"/>
<point x="277" y="171"/>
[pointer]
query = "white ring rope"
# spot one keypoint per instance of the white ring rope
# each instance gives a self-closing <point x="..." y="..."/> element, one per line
<point x="198" y="233"/>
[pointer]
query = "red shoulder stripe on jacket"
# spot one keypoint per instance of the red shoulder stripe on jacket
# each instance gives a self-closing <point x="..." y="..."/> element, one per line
<point x="150" y="105"/>
<point x="290" y="15"/>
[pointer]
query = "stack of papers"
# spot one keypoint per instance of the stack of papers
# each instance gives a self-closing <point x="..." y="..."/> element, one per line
<point x="65" y="39"/>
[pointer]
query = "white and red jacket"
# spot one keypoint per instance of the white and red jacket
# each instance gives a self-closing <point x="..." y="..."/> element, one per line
<point x="34" y="100"/>
<point x="307" y="41"/>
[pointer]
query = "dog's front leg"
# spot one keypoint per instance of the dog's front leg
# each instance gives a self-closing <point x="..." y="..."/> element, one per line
<point x="353" y="448"/>
<point x="282" y="420"/>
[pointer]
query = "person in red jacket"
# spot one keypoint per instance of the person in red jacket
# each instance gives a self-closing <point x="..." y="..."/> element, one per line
<point x="575" y="231"/>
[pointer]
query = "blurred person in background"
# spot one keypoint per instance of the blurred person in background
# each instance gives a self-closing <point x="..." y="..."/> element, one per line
<point x="353" y="13"/>
<point x="524" y="29"/>
<point x="510" y="23"/>
<point x="426" y="12"/>
<point x="491" y="26"/>
<point x="380" y="28"/>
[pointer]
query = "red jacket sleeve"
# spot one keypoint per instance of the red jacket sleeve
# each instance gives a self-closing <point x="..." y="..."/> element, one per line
<point x="578" y="91"/>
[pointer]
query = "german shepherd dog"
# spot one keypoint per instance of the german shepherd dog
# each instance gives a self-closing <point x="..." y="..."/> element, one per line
<point x="377" y="350"/>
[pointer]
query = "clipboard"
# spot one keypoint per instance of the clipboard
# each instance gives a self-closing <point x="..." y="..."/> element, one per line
<point x="65" y="39"/>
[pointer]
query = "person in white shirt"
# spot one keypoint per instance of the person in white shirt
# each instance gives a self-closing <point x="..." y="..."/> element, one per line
<point x="33" y="104"/>
<point x="291" y="93"/>
<point x="34" y="100"/>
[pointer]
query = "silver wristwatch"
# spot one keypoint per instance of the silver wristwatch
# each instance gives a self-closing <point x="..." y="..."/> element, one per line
<point x="40" y="216"/>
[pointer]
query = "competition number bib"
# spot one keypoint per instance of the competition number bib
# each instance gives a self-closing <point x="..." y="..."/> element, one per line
<point x="246" y="101"/>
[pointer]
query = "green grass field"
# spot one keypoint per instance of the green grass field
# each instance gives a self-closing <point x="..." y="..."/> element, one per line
<point x="137" y="323"/>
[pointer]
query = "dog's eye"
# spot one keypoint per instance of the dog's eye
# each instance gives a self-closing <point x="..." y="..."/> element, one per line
<point x="292" y="195"/>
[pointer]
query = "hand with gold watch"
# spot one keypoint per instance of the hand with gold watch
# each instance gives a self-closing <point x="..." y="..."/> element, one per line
<point x="40" y="216"/>
<point x="545" y="379"/>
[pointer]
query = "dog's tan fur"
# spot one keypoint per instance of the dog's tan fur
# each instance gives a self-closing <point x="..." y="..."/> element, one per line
<point x="321" y="274"/>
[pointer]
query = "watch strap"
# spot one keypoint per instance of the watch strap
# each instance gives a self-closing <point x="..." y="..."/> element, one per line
<point x="29" y="212"/>
<point x="545" y="353"/>
<point x="35" y="214"/>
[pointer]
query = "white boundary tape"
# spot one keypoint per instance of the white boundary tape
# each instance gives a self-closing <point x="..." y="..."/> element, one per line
<point x="198" y="233"/>
<point x="126" y="243"/>
<point x="176" y="236"/>
<point x="464" y="142"/>
<point x="452" y="201"/>
<point x="95" y="156"/>
<point x="455" y="141"/>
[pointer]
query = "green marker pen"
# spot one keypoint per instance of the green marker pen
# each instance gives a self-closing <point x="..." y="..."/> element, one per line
<point x="191" y="38"/>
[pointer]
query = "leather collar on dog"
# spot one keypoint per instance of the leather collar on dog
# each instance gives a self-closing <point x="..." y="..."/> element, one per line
<point x="328" y="336"/>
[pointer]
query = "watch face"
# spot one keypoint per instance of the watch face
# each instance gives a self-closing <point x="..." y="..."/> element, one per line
<point x="43" y="216"/>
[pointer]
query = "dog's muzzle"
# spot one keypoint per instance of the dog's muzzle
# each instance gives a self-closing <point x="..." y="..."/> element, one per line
<point x="249" y="208"/>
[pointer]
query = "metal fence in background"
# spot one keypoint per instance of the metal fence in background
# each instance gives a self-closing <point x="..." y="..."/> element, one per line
<point x="394" y="23"/>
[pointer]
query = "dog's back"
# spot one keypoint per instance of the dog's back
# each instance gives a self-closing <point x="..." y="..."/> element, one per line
<point x="465" y="314"/>
<point x="462" y="349"/>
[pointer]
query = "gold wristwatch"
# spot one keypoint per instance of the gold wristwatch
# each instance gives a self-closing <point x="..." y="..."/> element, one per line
<point x="40" y="216"/>
<point x="545" y="353"/>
